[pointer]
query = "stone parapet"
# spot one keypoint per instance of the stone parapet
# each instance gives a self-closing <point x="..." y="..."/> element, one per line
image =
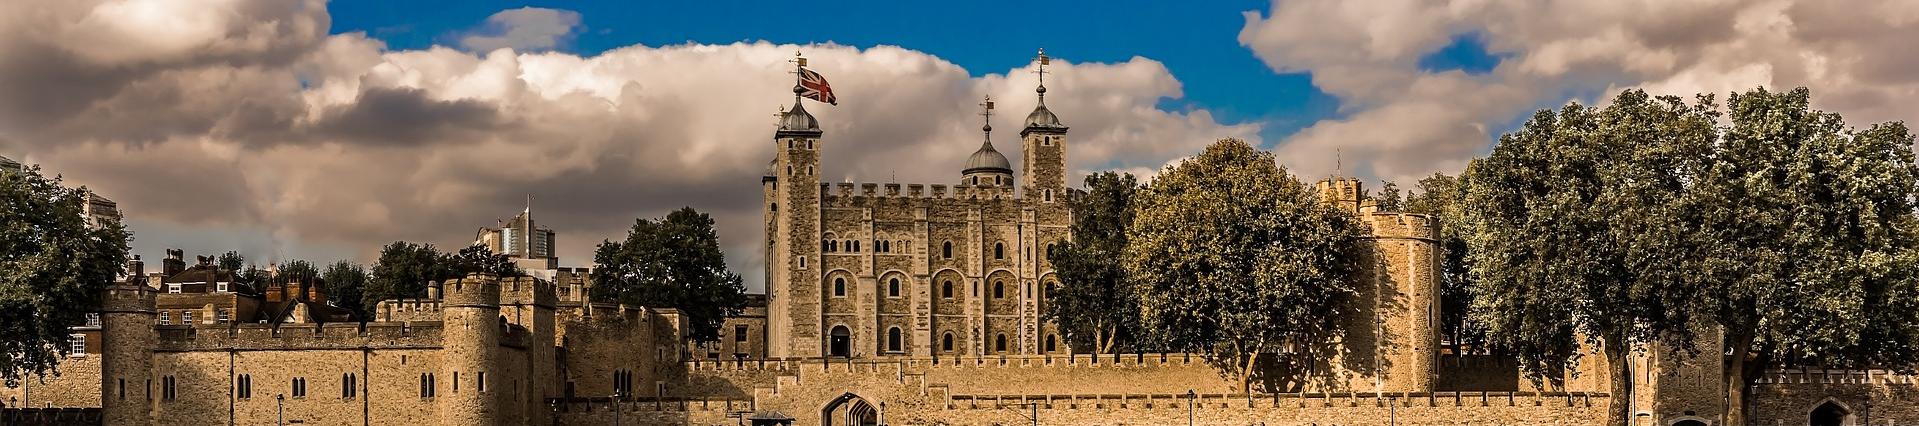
<point x="389" y="335"/>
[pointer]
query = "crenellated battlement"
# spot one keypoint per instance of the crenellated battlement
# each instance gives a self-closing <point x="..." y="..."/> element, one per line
<point x="476" y="290"/>
<point x="128" y="298"/>
<point x="405" y="310"/>
<point x="1403" y="225"/>
<point x="1110" y="401"/>
<point x="389" y="335"/>
<point x="528" y="291"/>
<point x="1836" y="377"/>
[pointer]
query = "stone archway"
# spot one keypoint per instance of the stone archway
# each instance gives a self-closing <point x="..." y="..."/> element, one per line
<point x="1830" y="412"/>
<point x="851" y="410"/>
<point x="1689" y="422"/>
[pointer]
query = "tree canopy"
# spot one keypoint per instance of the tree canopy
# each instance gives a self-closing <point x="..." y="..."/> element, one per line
<point x="346" y="285"/>
<point x="1234" y="257"/>
<point x="673" y="262"/>
<point x="1575" y="231"/>
<point x="405" y="269"/>
<point x="1092" y="304"/>
<point x="51" y="263"/>
<point x="1443" y="197"/>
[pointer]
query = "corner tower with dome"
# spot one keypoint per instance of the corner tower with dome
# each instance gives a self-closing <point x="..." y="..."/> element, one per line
<point x="886" y="269"/>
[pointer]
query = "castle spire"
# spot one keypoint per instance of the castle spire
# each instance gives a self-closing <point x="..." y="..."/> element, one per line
<point x="1041" y="71"/>
<point x="1042" y="119"/>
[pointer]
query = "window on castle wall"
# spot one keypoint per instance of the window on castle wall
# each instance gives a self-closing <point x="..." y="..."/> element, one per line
<point x="999" y="343"/>
<point x="300" y="387"/>
<point x="739" y="334"/>
<point x="893" y="287"/>
<point x="1050" y="343"/>
<point x="946" y="290"/>
<point x="946" y="342"/>
<point x="839" y="287"/>
<point x="999" y="250"/>
<point x="946" y="249"/>
<point x="856" y="246"/>
<point x="894" y="340"/>
<point x="479" y="383"/>
<point x="802" y="262"/>
<point x="243" y="386"/>
<point x="999" y="290"/>
<point x="349" y="386"/>
<point x="976" y="289"/>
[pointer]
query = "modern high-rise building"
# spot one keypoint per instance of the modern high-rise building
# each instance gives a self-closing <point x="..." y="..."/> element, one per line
<point x="528" y="244"/>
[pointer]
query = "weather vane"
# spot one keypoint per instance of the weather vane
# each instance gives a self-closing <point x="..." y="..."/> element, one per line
<point x="986" y="110"/>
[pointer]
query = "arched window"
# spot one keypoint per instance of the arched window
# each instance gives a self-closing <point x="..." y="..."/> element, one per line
<point x="999" y="250"/>
<point x="839" y="287"/>
<point x="894" y="341"/>
<point x="802" y="262"/>
<point x="856" y="246"/>
<point x="946" y="249"/>
<point x="1049" y="251"/>
<point x="893" y="287"/>
<point x="840" y="343"/>
<point x="946" y="342"/>
<point x="1050" y="286"/>
<point x="999" y="289"/>
<point x="946" y="289"/>
<point x="1049" y="343"/>
<point x="999" y="343"/>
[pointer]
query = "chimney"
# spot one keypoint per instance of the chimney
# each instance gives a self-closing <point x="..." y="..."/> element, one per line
<point x="276" y="292"/>
<point x="136" y="268"/>
<point x="175" y="263"/>
<point x="433" y="291"/>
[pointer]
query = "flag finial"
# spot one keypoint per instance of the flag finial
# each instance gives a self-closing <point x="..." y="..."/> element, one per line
<point x="986" y="111"/>
<point x="1041" y="71"/>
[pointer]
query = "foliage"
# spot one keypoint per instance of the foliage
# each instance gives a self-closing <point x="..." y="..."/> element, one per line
<point x="1810" y="230"/>
<point x="479" y="258"/>
<point x="403" y="271"/>
<point x="674" y="262"/>
<point x="1443" y="197"/>
<point x="1575" y="231"/>
<point x="1093" y="305"/>
<point x="51" y="266"/>
<point x="296" y="270"/>
<point x="346" y="283"/>
<point x="1234" y="257"/>
<point x="232" y="261"/>
<point x="1390" y="198"/>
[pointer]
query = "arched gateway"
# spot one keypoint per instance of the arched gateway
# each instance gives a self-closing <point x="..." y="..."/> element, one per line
<point x="851" y="410"/>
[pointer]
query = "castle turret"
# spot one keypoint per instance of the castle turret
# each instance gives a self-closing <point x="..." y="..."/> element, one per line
<point x="1398" y="294"/>
<point x="793" y="287"/>
<point x="126" y="366"/>
<point x="987" y="167"/>
<point x="471" y="334"/>
<point x="1043" y="141"/>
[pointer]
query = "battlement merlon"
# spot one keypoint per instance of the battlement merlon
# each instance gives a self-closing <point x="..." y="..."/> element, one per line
<point x="128" y="298"/>
<point x="528" y="291"/>
<point x="1393" y="225"/>
<point x="476" y="290"/>
<point x="830" y="191"/>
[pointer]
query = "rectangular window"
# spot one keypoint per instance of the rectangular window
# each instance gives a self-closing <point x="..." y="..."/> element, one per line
<point x="456" y="382"/>
<point x="223" y="315"/>
<point x="123" y="389"/>
<point x="167" y="388"/>
<point x="79" y="345"/>
<point x="173" y="288"/>
<point x="348" y="386"/>
<point x="739" y="333"/>
<point x="93" y="320"/>
<point x="164" y="319"/>
<point x="243" y="386"/>
<point x="186" y="318"/>
<point x="299" y="387"/>
<point x="480" y="384"/>
<point x="221" y="286"/>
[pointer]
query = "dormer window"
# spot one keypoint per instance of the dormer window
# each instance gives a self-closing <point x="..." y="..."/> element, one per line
<point x="220" y="286"/>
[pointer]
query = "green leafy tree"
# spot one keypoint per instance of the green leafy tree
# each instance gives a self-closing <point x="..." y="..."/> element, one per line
<point x="1390" y="198"/>
<point x="478" y="259"/>
<point x="296" y="270"/>
<point x="1809" y="226"/>
<point x="1093" y="306"/>
<point x="1234" y="257"/>
<point x="1575" y="231"/>
<point x="403" y="271"/>
<point x="1443" y="197"/>
<point x="346" y="284"/>
<point x="674" y="262"/>
<point x="231" y="261"/>
<point x="51" y="264"/>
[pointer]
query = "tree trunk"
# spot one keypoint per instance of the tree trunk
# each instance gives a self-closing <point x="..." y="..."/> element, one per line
<point x="1106" y="338"/>
<point x="1618" y="384"/>
<point x="1740" y="344"/>
<point x="1246" y="373"/>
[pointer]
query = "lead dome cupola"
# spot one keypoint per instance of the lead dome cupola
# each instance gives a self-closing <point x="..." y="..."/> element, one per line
<point x="987" y="159"/>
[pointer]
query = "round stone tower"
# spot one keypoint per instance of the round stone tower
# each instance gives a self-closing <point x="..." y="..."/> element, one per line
<point x="126" y="366"/>
<point x="470" y="312"/>
<point x="1406" y="281"/>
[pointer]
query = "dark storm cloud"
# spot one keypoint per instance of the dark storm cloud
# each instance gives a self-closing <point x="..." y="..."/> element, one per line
<point x="405" y="116"/>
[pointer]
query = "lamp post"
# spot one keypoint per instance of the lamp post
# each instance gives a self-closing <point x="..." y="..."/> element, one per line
<point x="280" y="409"/>
<point x="616" y="407"/>
<point x="1191" y="398"/>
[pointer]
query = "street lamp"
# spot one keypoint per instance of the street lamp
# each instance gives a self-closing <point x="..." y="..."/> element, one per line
<point x="615" y="399"/>
<point x="1191" y="397"/>
<point x="280" y="409"/>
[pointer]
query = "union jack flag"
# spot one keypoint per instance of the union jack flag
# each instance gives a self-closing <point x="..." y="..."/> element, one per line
<point x="815" y="87"/>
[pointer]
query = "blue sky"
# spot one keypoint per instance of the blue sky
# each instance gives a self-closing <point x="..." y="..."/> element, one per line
<point x="1198" y="43"/>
